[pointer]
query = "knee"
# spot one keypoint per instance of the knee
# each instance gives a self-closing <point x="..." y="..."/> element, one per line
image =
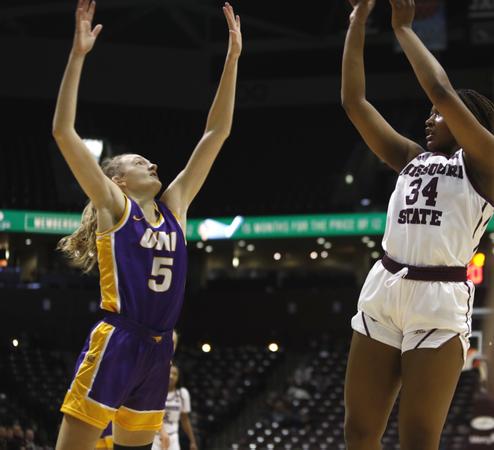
<point x="419" y="435"/>
<point x="360" y="434"/>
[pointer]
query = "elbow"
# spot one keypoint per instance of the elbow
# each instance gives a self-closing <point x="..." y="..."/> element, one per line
<point x="350" y="105"/>
<point x="220" y="133"/>
<point x="441" y="92"/>
<point x="349" y="98"/>
<point x="345" y="103"/>
<point x="60" y="133"/>
<point x="56" y="133"/>
<point x="344" y="99"/>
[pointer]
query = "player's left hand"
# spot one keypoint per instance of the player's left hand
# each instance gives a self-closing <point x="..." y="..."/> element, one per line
<point x="165" y="441"/>
<point x="193" y="447"/>
<point x="235" y="40"/>
<point x="403" y="12"/>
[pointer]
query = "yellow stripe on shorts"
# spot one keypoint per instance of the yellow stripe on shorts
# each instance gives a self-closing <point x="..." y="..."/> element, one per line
<point x="77" y="403"/>
<point x="133" y="420"/>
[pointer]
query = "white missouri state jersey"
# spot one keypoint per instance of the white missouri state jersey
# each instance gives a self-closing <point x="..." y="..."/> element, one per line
<point x="177" y="402"/>
<point x="435" y="215"/>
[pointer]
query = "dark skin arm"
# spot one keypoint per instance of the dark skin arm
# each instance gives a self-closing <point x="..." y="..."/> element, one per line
<point x="390" y="146"/>
<point x="187" y="427"/>
<point x="476" y="141"/>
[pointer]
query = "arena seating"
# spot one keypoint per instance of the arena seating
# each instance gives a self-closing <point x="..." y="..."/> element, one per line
<point x="307" y="413"/>
<point x="222" y="381"/>
<point x="220" y="384"/>
<point x="35" y="381"/>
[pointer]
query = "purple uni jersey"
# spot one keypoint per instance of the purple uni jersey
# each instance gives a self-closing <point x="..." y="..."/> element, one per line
<point x="143" y="267"/>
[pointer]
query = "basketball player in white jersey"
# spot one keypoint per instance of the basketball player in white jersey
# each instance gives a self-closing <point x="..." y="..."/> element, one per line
<point x="414" y="312"/>
<point x="177" y="412"/>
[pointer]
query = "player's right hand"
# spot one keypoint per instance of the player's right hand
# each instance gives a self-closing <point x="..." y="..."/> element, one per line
<point x="85" y="36"/>
<point x="361" y="9"/>
<point x="235" y="40"/>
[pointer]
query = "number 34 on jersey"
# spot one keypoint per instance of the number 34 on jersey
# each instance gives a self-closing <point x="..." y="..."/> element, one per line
<point x="423" y="216"/>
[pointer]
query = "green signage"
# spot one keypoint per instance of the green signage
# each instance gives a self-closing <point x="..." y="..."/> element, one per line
<point x="264" y="227"/>
<point x="38" y="222"/>
<point x="272" y="227"/>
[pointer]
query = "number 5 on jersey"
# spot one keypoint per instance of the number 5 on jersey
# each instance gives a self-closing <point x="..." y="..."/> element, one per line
<point x="161" y="268"/>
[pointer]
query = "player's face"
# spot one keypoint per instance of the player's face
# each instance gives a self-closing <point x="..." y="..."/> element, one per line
<point x="140" y="175"/>
<point x="173" y="377"/>
<point x="437" y="134"/>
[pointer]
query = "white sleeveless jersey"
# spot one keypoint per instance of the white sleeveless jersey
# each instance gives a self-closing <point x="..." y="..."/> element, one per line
<point x="177" y="402"/>
<point x="435" y="215"/>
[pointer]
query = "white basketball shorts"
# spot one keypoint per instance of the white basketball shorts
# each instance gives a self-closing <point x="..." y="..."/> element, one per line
<point x="410" y="314"/>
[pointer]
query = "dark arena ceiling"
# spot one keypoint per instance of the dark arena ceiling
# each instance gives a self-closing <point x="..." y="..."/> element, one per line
<point x="197" y="23"/>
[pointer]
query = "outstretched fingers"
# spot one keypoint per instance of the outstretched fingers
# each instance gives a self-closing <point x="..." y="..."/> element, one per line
<point x="85" y="10"/>
<point x="92" y="8"/>
<point x="79" y="10"/>
<point x="233" y="22"/>
<point x="97" y="30"/>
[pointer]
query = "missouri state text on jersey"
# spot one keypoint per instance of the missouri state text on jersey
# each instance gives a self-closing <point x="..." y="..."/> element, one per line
<point x="435" y="214"/>
<point x="428" y="188"/>
<point x="143" y="267"/>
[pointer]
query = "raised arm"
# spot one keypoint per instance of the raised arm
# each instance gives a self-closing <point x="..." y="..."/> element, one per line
<point x="471" y="136"/>
<point x="390" y="146"/>
<point x="102" y="192"/>
<point x="185" y="187"/>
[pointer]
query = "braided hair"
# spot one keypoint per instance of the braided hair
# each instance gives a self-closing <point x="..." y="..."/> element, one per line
<point x="480" y="106"/>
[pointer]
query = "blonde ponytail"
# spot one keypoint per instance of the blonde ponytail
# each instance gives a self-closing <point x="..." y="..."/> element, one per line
<point x="80" y="246"/>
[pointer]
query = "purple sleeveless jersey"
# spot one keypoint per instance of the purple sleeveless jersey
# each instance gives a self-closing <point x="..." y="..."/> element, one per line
<point x="123" y="370"/>
<point x="143" y="267"/>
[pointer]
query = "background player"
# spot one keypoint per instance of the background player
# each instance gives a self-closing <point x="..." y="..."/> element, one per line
<point x="122" y="371"/>
<point x="178" y="408"/>
<point x="415" y="308"/>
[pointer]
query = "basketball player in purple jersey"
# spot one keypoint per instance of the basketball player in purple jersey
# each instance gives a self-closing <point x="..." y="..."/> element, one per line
<point x="105" y="441"/>
<point x="414" y="312"/>
<point x="139" y="246"/>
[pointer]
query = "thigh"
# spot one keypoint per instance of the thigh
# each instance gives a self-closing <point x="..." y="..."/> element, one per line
<point x="75" y="434"/>
<point x="104" y="375"/>
<point x="429" y="379"/>
<point x="371" y="385"/>
<point x="144" y="407"/>
<point x="129" y="438"/>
